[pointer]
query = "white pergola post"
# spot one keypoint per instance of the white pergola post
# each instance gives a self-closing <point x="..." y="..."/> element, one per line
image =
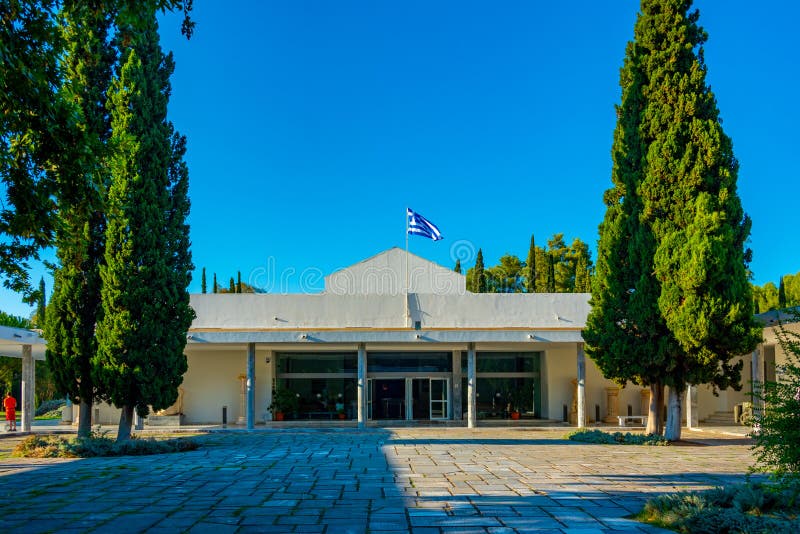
<point x="692" y="417"/>
<point x="362" y="386"/>
<point x="251" y="382"/>
<point x="28" y="387"/>
<point x="757" y="370"/>
<point x="472" y="405"/>
<point x="581" y="387"/>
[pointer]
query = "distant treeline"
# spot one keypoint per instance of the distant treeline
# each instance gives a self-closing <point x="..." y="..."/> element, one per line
<point x="771" y="297"/>
<point x="554" y="268"/>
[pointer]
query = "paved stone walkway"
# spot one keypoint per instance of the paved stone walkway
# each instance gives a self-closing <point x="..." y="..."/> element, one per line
<point x="410" y="480"/>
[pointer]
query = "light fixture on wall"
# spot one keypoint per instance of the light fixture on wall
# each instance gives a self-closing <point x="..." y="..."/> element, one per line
<point x="267" y="360"/>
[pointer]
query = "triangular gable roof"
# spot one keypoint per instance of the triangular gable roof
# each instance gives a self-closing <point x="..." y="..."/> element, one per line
<point x="385" y="273"/>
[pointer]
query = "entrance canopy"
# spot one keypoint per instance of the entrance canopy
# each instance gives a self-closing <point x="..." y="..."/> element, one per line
<point x="12" y="341"/>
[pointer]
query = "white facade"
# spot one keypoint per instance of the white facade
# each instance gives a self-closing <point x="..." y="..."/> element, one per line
<point x="377" y="354"/>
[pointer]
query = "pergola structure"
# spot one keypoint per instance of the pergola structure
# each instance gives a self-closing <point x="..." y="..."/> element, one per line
<point x="28" y="345"/>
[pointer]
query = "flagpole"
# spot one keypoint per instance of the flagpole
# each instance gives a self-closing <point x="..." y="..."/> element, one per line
<point x="407" y="284"/>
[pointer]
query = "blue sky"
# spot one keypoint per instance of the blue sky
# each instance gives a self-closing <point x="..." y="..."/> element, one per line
<point x="313" y="124"/>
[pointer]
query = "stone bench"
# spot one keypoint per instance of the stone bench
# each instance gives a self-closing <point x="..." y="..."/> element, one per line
<point x="625" y="419"/>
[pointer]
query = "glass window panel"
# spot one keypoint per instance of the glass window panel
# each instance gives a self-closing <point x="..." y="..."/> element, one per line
<point x="322" y="397"/>
<point x="494" y="395"/>
<point x="317" y="362"/>
<point x="413" y="362"/>
<point x="503" y="362"/>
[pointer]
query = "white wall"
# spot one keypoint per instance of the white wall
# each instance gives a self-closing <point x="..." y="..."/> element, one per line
<point x="211" y="383"/>
<point x="265" y="312"/>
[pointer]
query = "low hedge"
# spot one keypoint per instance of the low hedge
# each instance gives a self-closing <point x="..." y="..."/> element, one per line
<point x="49" y="446"/>
<point x="616" y="438"/>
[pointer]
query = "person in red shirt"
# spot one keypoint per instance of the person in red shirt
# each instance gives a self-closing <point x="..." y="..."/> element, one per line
<point x="10" y="404"/>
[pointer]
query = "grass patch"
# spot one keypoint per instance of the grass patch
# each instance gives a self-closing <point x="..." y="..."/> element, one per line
<point x="616" y="438"/>
<point x="750" y="507"/>
<point x="98" y="445"/>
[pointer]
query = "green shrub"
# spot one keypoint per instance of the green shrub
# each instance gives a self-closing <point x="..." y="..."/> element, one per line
<point x="751" y="507"/>
<point x="617" y="438"/>
<point x="49" y="406"/>
<point x="97" y="445"/>
<point x="777" y="427"/>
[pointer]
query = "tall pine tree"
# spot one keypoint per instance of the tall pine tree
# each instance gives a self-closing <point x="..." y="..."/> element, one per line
<point x="671" y="303"/>
<point x="216" y="286"/>
<point x="203" y="288"/>
<point x="142" y="333"/>
<point x="781" y="295"/>
<point x="457" y="268"/>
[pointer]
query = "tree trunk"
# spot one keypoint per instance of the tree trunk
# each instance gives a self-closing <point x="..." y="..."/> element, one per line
<point x="654" y="422"/>
<point x="125" y="423"/>
<point x="672" y="431"/>
<point x="85" y="419"/>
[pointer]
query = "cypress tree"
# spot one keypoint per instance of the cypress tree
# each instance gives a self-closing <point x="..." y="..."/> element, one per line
<point x="781" y="295"/>
<point x="216" y="286"/>
<point x="671" y="303"/>
<point x="530" y="264"/>
<point x="74" y="308"/>
<point x="142" y="334"/>
<point x="480" y="274"/>
<point x="41" y="305"/>
<point x="550" y="274"/>
<point x="231" y="286"/>
<point x="203" y="287"/>
<point x="582" y="277"/>
<point x="238" y="281"/>
<point x="457" y="268"/>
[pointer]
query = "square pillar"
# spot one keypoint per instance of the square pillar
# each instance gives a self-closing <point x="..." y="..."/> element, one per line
<point x="28" y="387"/>
<point x="472" y="387"/>
<point x="271" y="381"/>
<point x="581" y="393"/>
<point x="457" y="410"/>
<point x="757" y="370"/>
<point x="250" y="385"/>
<point x="692" y="416"/>
<point x="361" y="386"/>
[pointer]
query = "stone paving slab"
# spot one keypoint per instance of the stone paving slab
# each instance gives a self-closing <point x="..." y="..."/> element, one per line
<point x="410" y="480"/>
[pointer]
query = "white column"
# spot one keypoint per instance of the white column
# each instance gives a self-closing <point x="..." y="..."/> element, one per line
<point x="757" y="369"/>
<point x="362" y="386"/>
<point x="581" y="387"/>
<point x="692" y="416"/>
<point x="271" y="381"/>
<point x="28" y="387"/>
<point x="251" y="382"/>
<point x="472" y="387"/>
<point x="455" y="401"/>
<point x="66" y="412"/>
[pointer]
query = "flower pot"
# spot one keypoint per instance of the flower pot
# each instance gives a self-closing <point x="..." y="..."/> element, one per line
<point x="514" y="415"/>
<point x="342" y="416"/>
<point x="279" y="416"/>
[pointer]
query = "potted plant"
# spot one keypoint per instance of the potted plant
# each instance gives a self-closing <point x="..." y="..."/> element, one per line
<point x="283" y="401"/>
<point x="341" y="413"/>
<point x="514" y="399"/>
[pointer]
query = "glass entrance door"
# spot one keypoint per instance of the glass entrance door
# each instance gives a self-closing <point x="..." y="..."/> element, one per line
<point x="427" y="398"/>
<point x="439" y="408"/>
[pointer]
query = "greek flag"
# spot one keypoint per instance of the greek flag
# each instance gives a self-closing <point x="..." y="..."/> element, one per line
<point x="419" y="225"/>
